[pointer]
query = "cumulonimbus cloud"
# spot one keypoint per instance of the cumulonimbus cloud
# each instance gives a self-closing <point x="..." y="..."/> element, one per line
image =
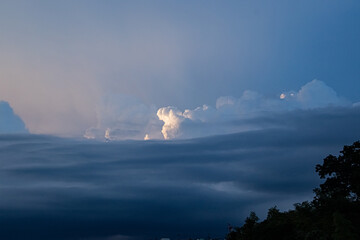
<point x="123" y="117"/>
<point x="207" y="120"/>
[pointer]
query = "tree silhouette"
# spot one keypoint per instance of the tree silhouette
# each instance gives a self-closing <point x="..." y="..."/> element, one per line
<point x="342" y="175"/>
<point x="246" y="231"/>
<point x="334" y="213"/>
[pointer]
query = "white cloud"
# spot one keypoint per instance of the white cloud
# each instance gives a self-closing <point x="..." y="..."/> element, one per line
<point x="9" y="121"/>
<point x="123" y="117"/>
<point x="172" y="119"/>
<point x="223" y="101"/>
<point x="204" y="121"/>
<point x="317" y="94"/>
<point x="147" y="137"/>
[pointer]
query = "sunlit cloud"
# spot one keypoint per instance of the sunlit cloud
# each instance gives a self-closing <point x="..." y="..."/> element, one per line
<point x="205" y="120"/>
<point x="122" y="117"/>
<point x="172" y="119"/>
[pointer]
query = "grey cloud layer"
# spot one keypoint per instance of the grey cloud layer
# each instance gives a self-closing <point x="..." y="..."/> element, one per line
<point x="186" y="188"/>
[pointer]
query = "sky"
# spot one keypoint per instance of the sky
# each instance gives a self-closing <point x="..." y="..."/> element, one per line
<point x="60" y="61"/>
<point x="147" y="119"/>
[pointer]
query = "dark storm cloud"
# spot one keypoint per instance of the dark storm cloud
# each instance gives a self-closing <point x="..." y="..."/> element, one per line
<point x="66" y="189"/>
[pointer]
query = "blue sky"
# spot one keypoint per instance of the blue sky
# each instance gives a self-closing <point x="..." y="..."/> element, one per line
<point x="61" y="59"/>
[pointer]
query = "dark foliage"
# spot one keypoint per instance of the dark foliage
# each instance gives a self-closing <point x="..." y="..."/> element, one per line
<point x="333" y="214"/>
